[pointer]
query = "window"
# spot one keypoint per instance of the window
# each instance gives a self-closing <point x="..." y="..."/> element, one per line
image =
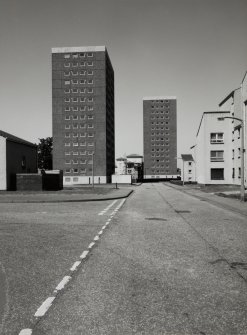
<point x="67" y="135"/>
<point x="67" y="117"/>
<point x="83" y="81"/>
<point x="189" y="163"/>
<point x="75" y="126"/>
<point x="67" y="171"/>
<point x="90" y="134"/>
<point x="67" y="90"/>
<point x="90" y="54"/>
<point x="239" y="172"/>
<point x="75" y="144"/>
<point x="82" y="64"/>
<point x="90" y="90"/>
<point x="90" y="82"/>
<point x="66" y="64"/>
<point x="67" y="56"/>
<point x="189" y="171"/>
<point x="82" y="99"/>
<point x="90" y="63"/>
<point x="74" y="81"/>
<point x="67" y="144"/>
<point x="90" y="99"/>
<point x="74" y="99"/>
<point x="82" y="90"/>
<point x="217" y="174"/>
<point x="239" y="152"/>
<point x="67" y="161"/>
<point x="233" y="173"/>
<point x="82" y="73"/>
<point x="233" y="153"/>
<point x="75" y="55"/>
<point x="82" y="109"/>
<point x="67" y="153"/>
<point x="75" y="153"/>
<point x="74" y="90"/>
<point x="90" y="108"/>
<point x="67" y="126"/>
<point x="66" y="74"/>
<point x="217" y="156"/>
<point x="67" y="109"/>
<point x="74" y="109"/>
<point x="216" y="138"/>
<point x="67" y="82"/>
<point x="75" y="171"/>
<point x="82" y="55"/>
<point x="90" y="117"/>
<point x="90" y="73"/>
<point x="75" y="117"/>
<point x="74" y="65"/>
<point x="66" y="99"/>
<point x="90" y="126"/>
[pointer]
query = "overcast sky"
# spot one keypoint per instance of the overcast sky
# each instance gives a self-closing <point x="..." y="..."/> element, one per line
<point x="193" y="49"/>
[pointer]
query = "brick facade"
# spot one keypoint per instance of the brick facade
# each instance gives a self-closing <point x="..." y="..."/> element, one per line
<point x="160" y="137"/>
<point x="83" y="113"/>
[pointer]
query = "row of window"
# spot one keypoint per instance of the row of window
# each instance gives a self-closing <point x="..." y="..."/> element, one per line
<point x="159" y="117"/>
<point x="76" y="99"/>
<point x="78" y="108"/>
<point x="81" y="153"/>
<point x="68" y="135"/>
<point x="160" y="128"/>
<point x="76" y="73"/>
<point x="77" y="82"/>
<point x="75" y="126"/>
<point x="76" y="161"/>
<point x="76" y="144"/>
<point x="157" y="155"/>
<point x="159" y="112"/>
<point x="82" y="64"/>
<point x="78" y="55"/>
<point x="159" y="123"/>
<point x="77" y="90"/>
<point x="75" y="171"/>
<point x="166" y="106"/>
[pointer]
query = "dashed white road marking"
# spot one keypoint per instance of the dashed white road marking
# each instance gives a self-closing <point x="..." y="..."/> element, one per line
<point x="26" y="331"/>
<point x="84" y="254"/>
<point x="75" y="265"/>
<point x="44" y="307"/>
<point x="91" y="245"/>
<point x="62" y="283"/>
<point x="107" y="208"/>
<point x="48" y="302"/>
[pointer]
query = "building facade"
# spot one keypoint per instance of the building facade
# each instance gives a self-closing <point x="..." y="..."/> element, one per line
<point x="83" y="114"/>
<point x="236" y="103"/>
<point x="16" y="156"/>
<point x="121" y="166"/>
<point x="135" y="166"/>
<point x="211" y="153"/>
<point x="160" y="137"/>
<point x="188" y="170"/>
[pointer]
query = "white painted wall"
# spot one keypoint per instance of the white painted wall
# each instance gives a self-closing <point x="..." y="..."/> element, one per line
<point x="121" y="179"/>
<point x="83" y="180"/>
<point x="3" y="175"/>
<point x="211" y="124"/>
<point x="189" y="172"/>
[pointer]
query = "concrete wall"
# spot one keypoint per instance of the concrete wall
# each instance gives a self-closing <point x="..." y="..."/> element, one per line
<point x="3" y="176"/>
<point x="188" y="172"/>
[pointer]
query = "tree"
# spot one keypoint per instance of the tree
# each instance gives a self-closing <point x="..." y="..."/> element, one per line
<point x="45" y="147"/>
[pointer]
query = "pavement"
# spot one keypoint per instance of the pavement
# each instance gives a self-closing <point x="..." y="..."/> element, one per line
<point x="68" y="194"/>
<point x="231" y="203"/>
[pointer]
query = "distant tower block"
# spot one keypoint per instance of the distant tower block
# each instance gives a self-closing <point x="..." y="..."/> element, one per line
<point x="160" y="137"/>
<point x="83" y="114"/>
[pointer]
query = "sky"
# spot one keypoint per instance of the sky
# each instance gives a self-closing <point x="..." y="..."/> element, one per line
<point x="195" y="50"/>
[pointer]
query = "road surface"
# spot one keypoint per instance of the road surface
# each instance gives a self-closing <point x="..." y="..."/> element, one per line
<point x="164" y="263"/>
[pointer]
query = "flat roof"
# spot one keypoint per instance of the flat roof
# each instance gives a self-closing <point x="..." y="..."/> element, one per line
<point x="160" y="98"/>
<point x="187" y="157"/>
<point x="78" y="49"/>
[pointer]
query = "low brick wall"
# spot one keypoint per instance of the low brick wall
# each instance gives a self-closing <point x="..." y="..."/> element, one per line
<point x="29" y="182"/>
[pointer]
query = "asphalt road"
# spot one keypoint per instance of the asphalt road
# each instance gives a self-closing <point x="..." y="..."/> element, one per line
<point x="167" y="264"/>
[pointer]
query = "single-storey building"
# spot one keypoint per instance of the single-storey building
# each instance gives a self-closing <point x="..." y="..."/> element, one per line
<point x="16" y="156"/>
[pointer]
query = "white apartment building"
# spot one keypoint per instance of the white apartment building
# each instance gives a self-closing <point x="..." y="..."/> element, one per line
<point x="188" y="169"/>
<point x="213" y="159"/>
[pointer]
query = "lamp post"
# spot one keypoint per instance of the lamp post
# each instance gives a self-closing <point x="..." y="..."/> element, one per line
<point x="242" y="190"/>
<point x="93" y="170"/>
